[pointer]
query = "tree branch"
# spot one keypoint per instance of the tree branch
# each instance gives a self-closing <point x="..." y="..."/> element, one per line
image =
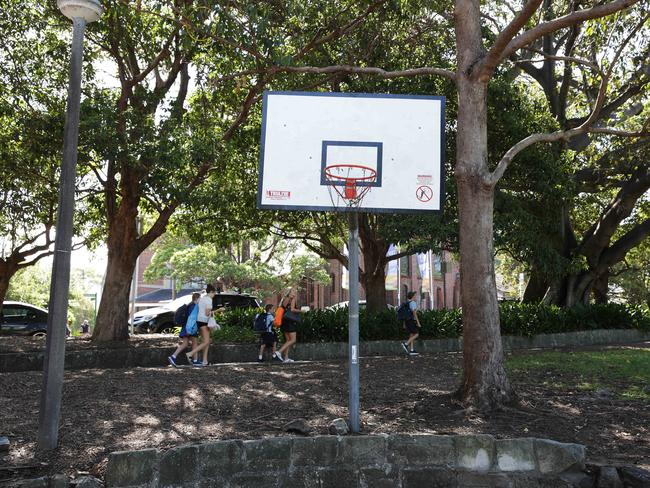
<point x="598" y="236"/>
<point x="357" y="70"/>
<point x="568" y="20"/>
<point x="586" y="126"/>
<point x="488" y="64"/>
<point x="568" y="59"/>
<point x="617" y="252"/>
<point x="336" y="33"/>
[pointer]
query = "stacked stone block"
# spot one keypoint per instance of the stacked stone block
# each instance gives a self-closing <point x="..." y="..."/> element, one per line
<point x="353" y="461"/>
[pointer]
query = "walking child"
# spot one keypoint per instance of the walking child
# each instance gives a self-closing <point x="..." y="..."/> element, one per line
<point x="290" y="320"/>
<point x="268" y="337"/>
<point x="408" y="312"/>
<point x="204" y="314"/>
<point x="186" y="317"/>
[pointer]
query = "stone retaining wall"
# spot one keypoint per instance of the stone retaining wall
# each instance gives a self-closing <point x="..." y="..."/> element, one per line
<point x="227" y="353"/>
<point x="354" y="461"/>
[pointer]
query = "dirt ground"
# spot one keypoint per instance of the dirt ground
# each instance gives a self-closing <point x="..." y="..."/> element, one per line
<point x="111" y="410"/>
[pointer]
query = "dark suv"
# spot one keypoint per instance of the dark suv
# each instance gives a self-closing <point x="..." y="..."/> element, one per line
<point x="19" y="318"/>
<point x="161" y="319"/>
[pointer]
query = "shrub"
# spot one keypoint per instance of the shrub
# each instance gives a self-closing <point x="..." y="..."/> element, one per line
<point x="516" y="319"/>
<point x="234" y="333"/>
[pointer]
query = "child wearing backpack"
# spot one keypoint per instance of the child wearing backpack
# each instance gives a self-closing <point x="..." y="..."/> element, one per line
<point x="407" y="312"/>
<point x="263" y="324"/>
<point x="185" y="317"/>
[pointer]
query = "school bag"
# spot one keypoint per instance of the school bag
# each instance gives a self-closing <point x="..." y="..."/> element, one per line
<point x="259" y="323"/>
<point x="404" y="312"/>
<point x="279" y="313"/>
<point x="191" y="327"/>
<point x="181" y="314"/>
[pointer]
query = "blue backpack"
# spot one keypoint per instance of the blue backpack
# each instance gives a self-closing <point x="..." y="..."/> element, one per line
<point x="191" y="326"/>
<point x="404" y="312"/>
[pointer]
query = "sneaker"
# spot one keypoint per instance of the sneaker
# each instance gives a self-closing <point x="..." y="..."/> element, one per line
<point x="172" y="361"/>
<point x="197" y="364"/>
<point x="405" y="347"/>
<point x="260" y="360"/>
<point x="289" y="360"/>
<point x="414" y="353"/>
<point x="278" y="356"/>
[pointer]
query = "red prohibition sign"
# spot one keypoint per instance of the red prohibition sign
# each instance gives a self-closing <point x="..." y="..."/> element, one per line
<point x="424" y="193"/>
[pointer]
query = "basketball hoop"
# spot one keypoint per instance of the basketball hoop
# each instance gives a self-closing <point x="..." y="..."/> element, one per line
<point x="350" y="175"/>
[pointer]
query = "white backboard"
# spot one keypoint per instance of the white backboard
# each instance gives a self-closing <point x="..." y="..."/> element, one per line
<point x="399" y="137"/>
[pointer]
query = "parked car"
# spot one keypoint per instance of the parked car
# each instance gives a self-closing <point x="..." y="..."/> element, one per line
<point x="19" y="318"/>
<point x="161" y="319"/>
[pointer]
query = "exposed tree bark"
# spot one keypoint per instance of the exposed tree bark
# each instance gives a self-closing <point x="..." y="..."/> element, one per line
<point x="485" y="384"/>
<point x="600" y="287"/>
<point x="122" y="256"/>
<point x="536" y="288"/>
<point x="374" y="257"/>
<point x="7" y="271"/>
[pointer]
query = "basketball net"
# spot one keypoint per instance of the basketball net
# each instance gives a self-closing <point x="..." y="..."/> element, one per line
<point x="344" y="179"/>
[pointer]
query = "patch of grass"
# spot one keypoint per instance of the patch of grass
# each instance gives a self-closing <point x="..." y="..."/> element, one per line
<point x="626" y="372"/>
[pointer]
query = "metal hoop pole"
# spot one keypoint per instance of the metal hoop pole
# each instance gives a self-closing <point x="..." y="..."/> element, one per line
<point x="353" y="321"/>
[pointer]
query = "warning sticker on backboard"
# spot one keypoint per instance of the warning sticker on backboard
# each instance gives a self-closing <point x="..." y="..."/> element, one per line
<point x="278" y="194"/>
<point x="424" y="193"/>
<point x="425" y="179"/>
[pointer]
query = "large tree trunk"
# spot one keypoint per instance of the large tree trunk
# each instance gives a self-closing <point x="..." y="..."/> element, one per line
<point x="375" y="286"/>
<point x="536" y="287"/>
<point x="373" y="275"/>
<point x="600" y="288"/>
<point x="5" y="277"/>
<point x="485" y="385"/>
<point x="113" y="312"/>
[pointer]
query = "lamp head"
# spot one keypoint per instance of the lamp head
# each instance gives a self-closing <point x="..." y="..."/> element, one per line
<point x="89" y="10"/>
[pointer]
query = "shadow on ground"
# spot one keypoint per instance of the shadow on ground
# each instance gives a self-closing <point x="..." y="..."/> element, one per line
<point x="111" y="410"/>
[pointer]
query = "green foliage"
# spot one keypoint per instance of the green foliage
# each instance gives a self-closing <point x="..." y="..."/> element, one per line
<point x="32" y="285"/>
<point x="529" y="319"/>
<point x="232" y="334"/>
<point x="516" y="319"/>
<point x="236" y="326"/>
<point x="205" y="263"/>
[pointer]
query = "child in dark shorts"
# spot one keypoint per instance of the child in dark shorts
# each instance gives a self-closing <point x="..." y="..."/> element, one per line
<point x="268" y="338"/>
<point x="412" y="326"/>
<point x="186" y="337"/>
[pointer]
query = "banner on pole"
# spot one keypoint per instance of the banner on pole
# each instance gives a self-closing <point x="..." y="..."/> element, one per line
<point x="391" y="271"/>
<point x="423" y="267"/>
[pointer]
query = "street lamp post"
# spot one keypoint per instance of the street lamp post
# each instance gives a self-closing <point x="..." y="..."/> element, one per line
<point x="80" y="12"/>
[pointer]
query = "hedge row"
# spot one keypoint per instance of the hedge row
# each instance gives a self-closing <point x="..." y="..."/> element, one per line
<point x="516" y="319"/>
